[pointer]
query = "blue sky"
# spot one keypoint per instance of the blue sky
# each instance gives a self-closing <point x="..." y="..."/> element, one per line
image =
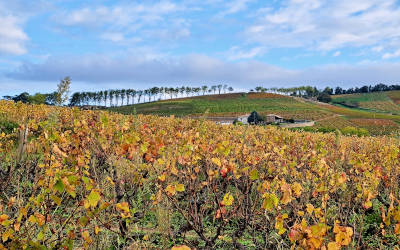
<point x="244" y="43"/>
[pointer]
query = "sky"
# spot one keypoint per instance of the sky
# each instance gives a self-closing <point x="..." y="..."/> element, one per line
<point x="104" y="44"/>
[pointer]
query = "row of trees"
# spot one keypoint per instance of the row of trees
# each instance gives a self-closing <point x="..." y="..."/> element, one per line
<point x="308" y="91"/>
<point x="324" y="95"/>
<point x="366" y="89"/>
<point x="119" y="97"/>
<point x="302" y="91"/>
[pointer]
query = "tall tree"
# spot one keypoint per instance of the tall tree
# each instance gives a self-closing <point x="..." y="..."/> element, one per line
<point x="63" y="91"/>
<point x="123" y="95"/>
<point x="214" y="88"/>
<point x="219" y="88"/>
<point x="204" y="88"/>
<point x="225" y="87"/>
<point x="105" y="97"/>
<point x="140" y="94"/>
<point x="111" y="96"/>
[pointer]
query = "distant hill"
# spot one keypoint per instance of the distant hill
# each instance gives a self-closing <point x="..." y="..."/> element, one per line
<point x="376" y="112"/>
<point x="386" y="102"/>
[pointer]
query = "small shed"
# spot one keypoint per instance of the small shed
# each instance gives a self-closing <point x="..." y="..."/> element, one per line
<point x="271" y="118"/>
<point x="243" y="118"/>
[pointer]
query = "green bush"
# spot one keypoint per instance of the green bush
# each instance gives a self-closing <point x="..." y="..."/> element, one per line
<point x="7" y="126"/>
<point x="355" y="131"/>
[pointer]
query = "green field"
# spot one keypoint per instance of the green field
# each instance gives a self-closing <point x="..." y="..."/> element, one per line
<point x="368" y="114"/>
<point x="377" y="102"/>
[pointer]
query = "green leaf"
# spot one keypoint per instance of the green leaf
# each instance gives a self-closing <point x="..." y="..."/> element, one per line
<point x="59" y="186"/>
<point x="270" y="201"/>
<point x="254" y="175"/>
<point x="40" y="236"/>
<point x="93" y="198"/>
<point x="85" y="180"/>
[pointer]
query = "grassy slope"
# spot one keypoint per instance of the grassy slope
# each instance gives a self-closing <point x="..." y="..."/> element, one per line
<point x="231" y="105"/>
<point x="377" y="102"/>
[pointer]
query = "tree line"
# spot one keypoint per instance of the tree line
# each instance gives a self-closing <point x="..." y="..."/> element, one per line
<point x="58" y="97"/>
<point x="324" y="94"/>
<point x="120" y="97"/>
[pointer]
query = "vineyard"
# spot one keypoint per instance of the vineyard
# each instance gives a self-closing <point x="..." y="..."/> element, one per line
<point x="99" y="180"/>
<point x="377" y="102"/>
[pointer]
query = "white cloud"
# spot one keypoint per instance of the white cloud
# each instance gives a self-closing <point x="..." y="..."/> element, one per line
<point x="113" y="36"/>
<point x="337" y="53"/>
<point x="120" y="15"/>
<point x="391" y="55"/>
<point x="123" y="20"/>
<point x="234" y="6"/>
<point x="146" y="71"/>
<point x="235" y="53"/>
<point x="12" y="35"/>
<point x="327" y="25"/>
<point x="377" y="49"/>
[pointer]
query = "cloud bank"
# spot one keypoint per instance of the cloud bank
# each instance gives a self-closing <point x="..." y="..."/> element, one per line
<point x="100" y="69"/>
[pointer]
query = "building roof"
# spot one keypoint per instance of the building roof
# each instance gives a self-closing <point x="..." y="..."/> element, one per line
<point x="276" y="116"/>
<point x="243" y="116"/>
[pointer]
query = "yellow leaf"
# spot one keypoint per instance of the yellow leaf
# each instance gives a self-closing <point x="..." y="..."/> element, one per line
<point x="310" y="208"/>
<point x="297" y="189"/>
<point x="110" y="180"/>
<point x="56" y="199"/>
<point x="170" y="189"/>
<point x="287" y="193"/>
<point x="16" y="227"/>
<point x="367" y="204"/>
<point x="333" y="246"/>
<point x="123" y="206"/>
<point x="162" y="177"/>
<point x="183" y="247"/>
<point x="180" y="187"/>
<point x="397" y="228"/>
<point x="7" y="234"/>
<point x="86" y="237"/>
<point x="96" y="230"/>
<point x="228" y="199"/>
<point x="3" y="217"/>
<point x="174" y="171"/>
<point x="216" y="161"/>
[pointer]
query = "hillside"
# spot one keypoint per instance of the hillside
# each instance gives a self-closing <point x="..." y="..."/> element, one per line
<point x="231" y="105"/>
<point x="228" y="105"/>
<point x="384" y="102"/>
<point x="77" y="179"/>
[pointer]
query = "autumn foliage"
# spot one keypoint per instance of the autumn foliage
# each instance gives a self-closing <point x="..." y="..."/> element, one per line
<point x="72" y="178"/>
